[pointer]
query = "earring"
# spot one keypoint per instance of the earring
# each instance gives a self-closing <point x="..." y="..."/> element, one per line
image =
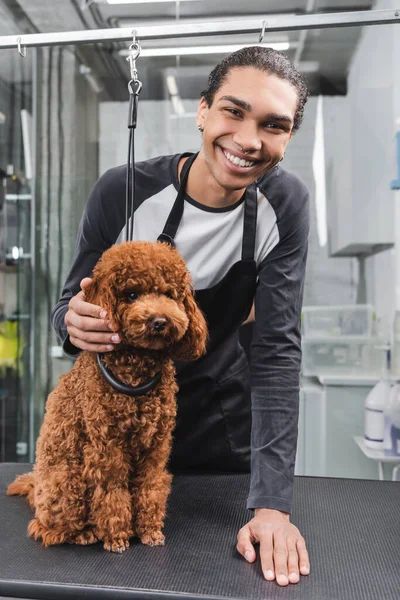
<point x="199" y="127"/>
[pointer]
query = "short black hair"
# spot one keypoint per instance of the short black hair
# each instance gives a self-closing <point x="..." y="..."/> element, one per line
<point x="265" y="59"/>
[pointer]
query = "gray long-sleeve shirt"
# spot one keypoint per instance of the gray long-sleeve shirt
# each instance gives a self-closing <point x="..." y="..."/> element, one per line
<point x="210" y="241"/>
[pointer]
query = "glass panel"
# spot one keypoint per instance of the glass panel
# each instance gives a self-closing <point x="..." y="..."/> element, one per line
<point x="67" y="168"/>
<point x="16" y="172"/>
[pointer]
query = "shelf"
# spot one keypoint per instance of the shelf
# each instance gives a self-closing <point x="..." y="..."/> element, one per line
<point x="375" y="454"/>
<point x="17" y="197"/>
<point x="351" y="380"/>
<point x="361" y="250"/>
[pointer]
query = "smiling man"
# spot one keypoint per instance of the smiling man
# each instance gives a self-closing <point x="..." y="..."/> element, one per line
<point x="241" y="223"/>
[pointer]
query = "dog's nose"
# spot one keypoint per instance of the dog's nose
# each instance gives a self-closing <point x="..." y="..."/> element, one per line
<point x="159" y="323"/>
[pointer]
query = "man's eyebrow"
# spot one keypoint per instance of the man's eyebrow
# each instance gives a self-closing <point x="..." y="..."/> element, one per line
<point x="238" y="102"/>
<point x="248" y="107"/>
<point x="274" y="117"/>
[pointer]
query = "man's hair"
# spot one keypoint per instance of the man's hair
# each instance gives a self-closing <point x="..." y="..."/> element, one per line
<point x="265" y="59"/>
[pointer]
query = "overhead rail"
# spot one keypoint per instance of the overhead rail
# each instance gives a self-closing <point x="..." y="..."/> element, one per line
<point x="188" y="30"/>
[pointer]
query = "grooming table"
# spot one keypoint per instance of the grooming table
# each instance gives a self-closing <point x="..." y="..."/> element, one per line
<point x="352" y="529"/>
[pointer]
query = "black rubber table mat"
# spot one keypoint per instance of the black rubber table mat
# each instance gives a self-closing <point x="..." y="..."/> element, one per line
<point x="352" y="528"/>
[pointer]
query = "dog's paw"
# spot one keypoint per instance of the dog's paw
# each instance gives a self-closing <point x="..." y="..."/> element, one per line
<point x="118" y="545"/>
<point x="84" y="538"/>
<point x="35" y="529"/>
<point x="153" y="538"/>
<point x="49" y="537"/>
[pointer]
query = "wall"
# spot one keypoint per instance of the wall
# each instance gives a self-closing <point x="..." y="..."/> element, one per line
<point x="363" y="162"/>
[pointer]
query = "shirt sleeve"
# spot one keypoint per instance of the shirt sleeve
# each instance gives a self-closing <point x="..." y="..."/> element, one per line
<point x="92" y="240"/>
<point x="275" y="363"/>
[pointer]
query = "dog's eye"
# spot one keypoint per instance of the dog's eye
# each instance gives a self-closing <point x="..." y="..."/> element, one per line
<point x="132" y="296"/>
<point x="169" y="295"/>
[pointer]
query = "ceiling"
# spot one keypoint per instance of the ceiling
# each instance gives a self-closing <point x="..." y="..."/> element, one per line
<point x="323" y="55"/>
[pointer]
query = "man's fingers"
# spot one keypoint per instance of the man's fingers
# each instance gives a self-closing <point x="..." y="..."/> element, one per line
<point x="93" y="341"/>
<point x="304" y="560"/>
<point x="281" y="558"/>
<point x="266" y="554"/>
<point x="94" y="337"/>
<point x="244" y="544"/>
<point x="91" y="347"/>
<point x="293" y="560"/>
<point x="87" y="324"/>
<point x="86" y="309"/>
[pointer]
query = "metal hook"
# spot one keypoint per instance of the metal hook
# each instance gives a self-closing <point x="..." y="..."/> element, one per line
<point x="134" y="51"/>
<point x="21" y="51"/>
<point x="264" y="24"/>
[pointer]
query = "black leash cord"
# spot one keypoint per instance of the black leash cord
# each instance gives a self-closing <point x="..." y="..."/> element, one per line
<point x="134" y="90"/>
<point x="128" y="207"/>
<point x="133" y="180"/>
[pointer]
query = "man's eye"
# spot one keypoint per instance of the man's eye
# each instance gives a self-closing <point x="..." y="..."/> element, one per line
<point x="234" y="112"/>
<point x="132" y="296"/>
<point x="274" y="126"/>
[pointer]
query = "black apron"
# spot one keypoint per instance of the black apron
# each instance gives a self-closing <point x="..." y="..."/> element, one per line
<point x="214" y="407"/>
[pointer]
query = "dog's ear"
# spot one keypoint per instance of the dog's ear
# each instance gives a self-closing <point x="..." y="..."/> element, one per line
<point x="100" y="292"/>
<point x="92" y="291"/>
<point x="193" y="343"/>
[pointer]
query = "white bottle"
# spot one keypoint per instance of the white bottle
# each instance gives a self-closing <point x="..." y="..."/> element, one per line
<point x="374" y="407"/>
<point x="392" y="423"/>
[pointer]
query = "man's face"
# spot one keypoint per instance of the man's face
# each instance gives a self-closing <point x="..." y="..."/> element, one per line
<point x="250" y="119"/>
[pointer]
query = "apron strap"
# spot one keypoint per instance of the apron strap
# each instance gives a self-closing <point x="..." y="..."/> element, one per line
<point x="175" y="216"/>
<point x="249" y="223"/>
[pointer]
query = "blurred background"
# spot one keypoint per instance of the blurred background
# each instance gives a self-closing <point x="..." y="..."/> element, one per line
<point x="63" y="116"/>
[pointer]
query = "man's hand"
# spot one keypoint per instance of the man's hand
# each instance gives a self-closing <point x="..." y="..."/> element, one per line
<point x="283" y="550"/>
<point x="88" y="324"/>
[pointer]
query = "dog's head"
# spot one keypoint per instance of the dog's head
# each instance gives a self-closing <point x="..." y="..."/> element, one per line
<point x="147" y="292"/>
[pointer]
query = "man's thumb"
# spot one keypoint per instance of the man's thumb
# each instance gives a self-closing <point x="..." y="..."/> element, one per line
<point x="244" y="545"/>
<point x="85" y="283"/>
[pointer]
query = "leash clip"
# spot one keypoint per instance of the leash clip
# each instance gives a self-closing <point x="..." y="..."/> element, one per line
<point x="134" y="85"/>
<point x="134" y="52"/>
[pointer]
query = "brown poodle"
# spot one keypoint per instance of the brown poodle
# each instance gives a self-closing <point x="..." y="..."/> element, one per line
<point x="101" y="456"/>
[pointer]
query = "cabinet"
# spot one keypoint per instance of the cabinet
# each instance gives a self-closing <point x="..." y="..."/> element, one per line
<point x="330" y="416"/>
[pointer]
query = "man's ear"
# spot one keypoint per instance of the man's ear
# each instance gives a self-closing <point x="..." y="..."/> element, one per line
<point x="202" y="110"/>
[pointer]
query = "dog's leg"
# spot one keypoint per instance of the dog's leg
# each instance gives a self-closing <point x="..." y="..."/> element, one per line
<point x="152" y="487"/>
<point x="60" y="510"/>
<point x="106" y="472"/>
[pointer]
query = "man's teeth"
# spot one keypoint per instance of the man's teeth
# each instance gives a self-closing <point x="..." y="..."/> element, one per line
<point x="240" y="162"/>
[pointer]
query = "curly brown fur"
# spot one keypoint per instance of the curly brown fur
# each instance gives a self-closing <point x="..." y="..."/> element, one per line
<point x="101" y="456"/>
